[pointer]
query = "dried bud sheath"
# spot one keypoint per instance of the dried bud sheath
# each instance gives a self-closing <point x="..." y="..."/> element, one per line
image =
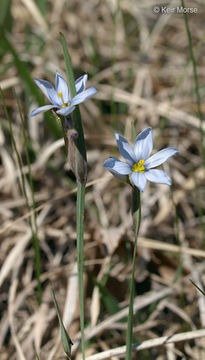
<point x="76" y="159"/>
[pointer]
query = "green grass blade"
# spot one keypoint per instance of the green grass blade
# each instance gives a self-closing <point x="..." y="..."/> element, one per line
<point x="33" y="230"/>
<point x="42" y="5"/>
<point x="69" y="70"/>
<point x="80" y="142"/>
<point x="180" y="81"/>
<point x="198" y="98"/>
<point x="35" y="241"/>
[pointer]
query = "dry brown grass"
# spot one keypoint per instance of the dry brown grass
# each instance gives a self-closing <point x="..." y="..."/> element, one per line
<point x="138" y="61"/>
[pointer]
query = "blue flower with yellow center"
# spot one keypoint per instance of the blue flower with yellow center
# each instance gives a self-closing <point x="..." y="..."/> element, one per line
<point x="139" y="166"/>
<point x="60" y="96"/>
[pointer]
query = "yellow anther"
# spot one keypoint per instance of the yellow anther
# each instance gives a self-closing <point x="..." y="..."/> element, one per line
<point x="61" y="96"/>
<point x="65" y="105"/>
<point x="139" y="167"/>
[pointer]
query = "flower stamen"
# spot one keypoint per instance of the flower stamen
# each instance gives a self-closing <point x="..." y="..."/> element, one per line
<point x="139" y="167"/>
<point x="61" y="95"/>
<point x="64" y="104"/>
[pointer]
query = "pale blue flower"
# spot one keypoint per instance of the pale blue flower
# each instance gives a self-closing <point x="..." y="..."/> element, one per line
<point x="139" y="166"/>
<point x="60" y="96"/>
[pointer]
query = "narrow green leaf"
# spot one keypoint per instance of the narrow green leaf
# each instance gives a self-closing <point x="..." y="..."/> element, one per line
<point x="196" y="82"/>
<point x="109" y="300"/>
<point x="65" y="339"/>
<point x="134" y="134"/>
<point x="42" y="5"/>
<point x="69" y="70"/>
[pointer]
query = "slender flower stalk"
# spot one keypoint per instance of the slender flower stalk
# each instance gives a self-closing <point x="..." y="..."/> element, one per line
<point x="78" y="161"/>
<point x="137" y="169"/>
<point x="136" y="213"/>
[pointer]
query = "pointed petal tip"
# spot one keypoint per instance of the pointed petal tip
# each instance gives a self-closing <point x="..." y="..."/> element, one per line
<point x="94" y="90"/>
<point x="41" y="109"/>
<point x="158" y="177"/>
<point x="109" y="162"/>
<point x="117" y="136"/>
<point x="139" y="180"/>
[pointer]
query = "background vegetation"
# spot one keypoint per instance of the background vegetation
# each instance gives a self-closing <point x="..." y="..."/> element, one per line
<point x="140" y="63"/>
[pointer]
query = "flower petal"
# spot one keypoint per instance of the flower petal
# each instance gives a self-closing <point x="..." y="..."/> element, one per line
<point x="41" y="109"/>
<point x="160" y="157"/>
<point x="117" y="166"/>
<point x="139" y="180"/>
<point x="49" y="91"/>
<point x="158" y="176"/>
<point x="66" y="110"/>
<point x="62" y="87"/>
<point x="80" y="83"/>
<point x="143" y="144"/>
<point x="83" y="96"/>
<point x="125" y="149"/>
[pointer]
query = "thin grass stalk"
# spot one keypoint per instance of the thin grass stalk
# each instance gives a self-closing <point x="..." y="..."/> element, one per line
<point x="136" y="213"/>
<point x="113" y="60"/>
<point x="179" y="84"/>
<point x="196" y="88"/>
<point x="199" y="207"/>
<point x="35" y="240"/>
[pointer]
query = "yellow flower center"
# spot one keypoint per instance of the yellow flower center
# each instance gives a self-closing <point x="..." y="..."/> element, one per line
<point x="61" y="96"/>
<point x="139" y="167"/>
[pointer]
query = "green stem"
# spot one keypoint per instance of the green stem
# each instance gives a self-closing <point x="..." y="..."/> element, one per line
<point x="80" y="231"/>
<point x="136" y="212"/>
<point x="77" y="154"/>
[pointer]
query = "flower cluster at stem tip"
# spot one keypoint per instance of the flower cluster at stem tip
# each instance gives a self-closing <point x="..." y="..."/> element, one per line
<point x="60" y="97"/>
<point x="139" y="166"/>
